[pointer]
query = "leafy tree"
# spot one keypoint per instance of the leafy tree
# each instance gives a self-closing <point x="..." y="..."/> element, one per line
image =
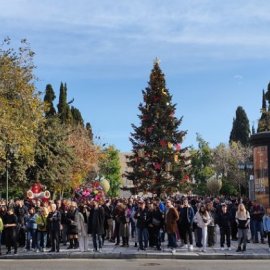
<point x="110" y="168"/>
<point x="54" y="158"/>
<point x="158" y="162"/>
<point x="48" y="99"/>
<point x="214" y="184"/>
<point x="202" y="161"/>
<point x="21" y="110"/>
<point x="227" y="162"/>
<point x="240" y="130"/>
<point x="86" y="155"/>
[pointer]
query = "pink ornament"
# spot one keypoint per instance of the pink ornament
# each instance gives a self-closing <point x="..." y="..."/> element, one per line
<point x="178" y="147"/>
<point x="157" y="166"/>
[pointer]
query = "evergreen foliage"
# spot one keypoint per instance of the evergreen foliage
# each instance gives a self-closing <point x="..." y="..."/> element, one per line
<point x="64" y="111"/>
<point x="89" y="131"/>
<point x="264" y="122"/>
<point x="76" y="116"/>
<point x="158" y="162"/>
<point x="240" y="130"/>
<point x="48" y="99"/>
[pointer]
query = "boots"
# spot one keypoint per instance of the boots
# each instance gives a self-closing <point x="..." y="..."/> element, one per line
<point x="238" y="249"/>
<point x="244" y="248"/>
<point x="76" y="243"/>
<point x="71" y="245"/>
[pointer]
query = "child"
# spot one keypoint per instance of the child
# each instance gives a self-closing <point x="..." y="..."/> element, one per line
<point x="266" y="225"/>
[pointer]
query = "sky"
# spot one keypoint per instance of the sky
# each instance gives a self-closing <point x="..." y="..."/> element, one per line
<point x="215" y="56"/>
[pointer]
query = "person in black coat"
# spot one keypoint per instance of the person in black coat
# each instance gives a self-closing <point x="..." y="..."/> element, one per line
<point x="224" y="222"/>
<point x="54" y="225"/>
<point x="96" y="225"/>
<point x="72" y="220"/>
<point x="10" y="222"/>
<point x="157" y="222"/>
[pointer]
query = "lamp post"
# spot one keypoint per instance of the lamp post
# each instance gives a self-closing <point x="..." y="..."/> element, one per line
<point x="246" y="166"/>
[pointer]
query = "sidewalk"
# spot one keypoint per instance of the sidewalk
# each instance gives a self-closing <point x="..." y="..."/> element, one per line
<point x="110" y="251"/>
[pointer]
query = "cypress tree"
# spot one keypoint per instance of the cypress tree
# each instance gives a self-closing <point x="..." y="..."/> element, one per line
<point x="76" y="116"/>
<point x="89" y="130"/>
<point x="63" y="107"/>
<point x="240" y="130"/>
<point x="157" y="160"/>
<point x="48" y="99"/>
<point x="264" y="122"/>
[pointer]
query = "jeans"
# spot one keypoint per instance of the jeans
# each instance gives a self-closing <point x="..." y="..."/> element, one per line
<point x="31" y="234"/>
<point x="258" y="227"/>
<point x="143" y="238"/>
<point x="172" y="240"/>
<point x="41" y="240"/>
<point x="97" y="238"/>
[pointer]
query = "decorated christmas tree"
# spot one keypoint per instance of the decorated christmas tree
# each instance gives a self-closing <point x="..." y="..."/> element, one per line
<point x="158" y="161"/>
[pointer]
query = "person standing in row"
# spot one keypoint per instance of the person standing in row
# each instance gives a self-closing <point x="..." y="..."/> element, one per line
<point x="82" y="228"/>
<point x="224" y="223"/>
<point x="96" y="225"/>
<point x="10" y="225"/>
<point x="202" y="219"/>
<point x="186" y="224"/>
<point x="31" y="229"/>
<point x="72" y="217"/>
<point x="171" y="219"/>
<point x="1" y="229"/>
<point x="54" y="226"/>
<point x="41" y="229"/>
<point x="266" y="224"/>
<point x="242" y="219"/>
<point x="143" y="219"/>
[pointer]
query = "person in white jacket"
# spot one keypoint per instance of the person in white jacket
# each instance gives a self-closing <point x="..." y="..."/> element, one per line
<point x="82" y="228"/>
<point x="203" y="219"/>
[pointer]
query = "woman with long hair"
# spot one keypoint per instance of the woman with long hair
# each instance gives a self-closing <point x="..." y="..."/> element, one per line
<point x="242" y="219"/>
<point x="203" y="219"/>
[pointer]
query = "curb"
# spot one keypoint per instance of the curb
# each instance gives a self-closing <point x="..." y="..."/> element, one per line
<point x="124" y="256"/>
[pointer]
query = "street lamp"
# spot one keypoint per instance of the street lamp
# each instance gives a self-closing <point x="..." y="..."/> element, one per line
<point x="10" y="150"/>
<point x="246" y="166"/>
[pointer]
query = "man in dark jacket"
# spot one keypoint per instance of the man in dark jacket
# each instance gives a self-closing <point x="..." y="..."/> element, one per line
<point x="143" y="220"/>
<point x="186" y="223"/>
<point x="224" y="222"/>
<point x="54" y="224"/>
<point x="96" y="225"/>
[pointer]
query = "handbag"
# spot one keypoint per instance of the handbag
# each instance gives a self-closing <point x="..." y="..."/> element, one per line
<point x="156" y="222"/>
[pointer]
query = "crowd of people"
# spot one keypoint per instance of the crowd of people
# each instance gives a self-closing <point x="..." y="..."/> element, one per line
<point x="149" y="222"/>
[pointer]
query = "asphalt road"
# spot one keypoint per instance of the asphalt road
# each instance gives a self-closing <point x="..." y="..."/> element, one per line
<point x="132" y="264"/>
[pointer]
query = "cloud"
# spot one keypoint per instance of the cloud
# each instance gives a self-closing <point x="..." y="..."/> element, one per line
<point x="238" y="77"/>
<point x="95" y="32"/>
